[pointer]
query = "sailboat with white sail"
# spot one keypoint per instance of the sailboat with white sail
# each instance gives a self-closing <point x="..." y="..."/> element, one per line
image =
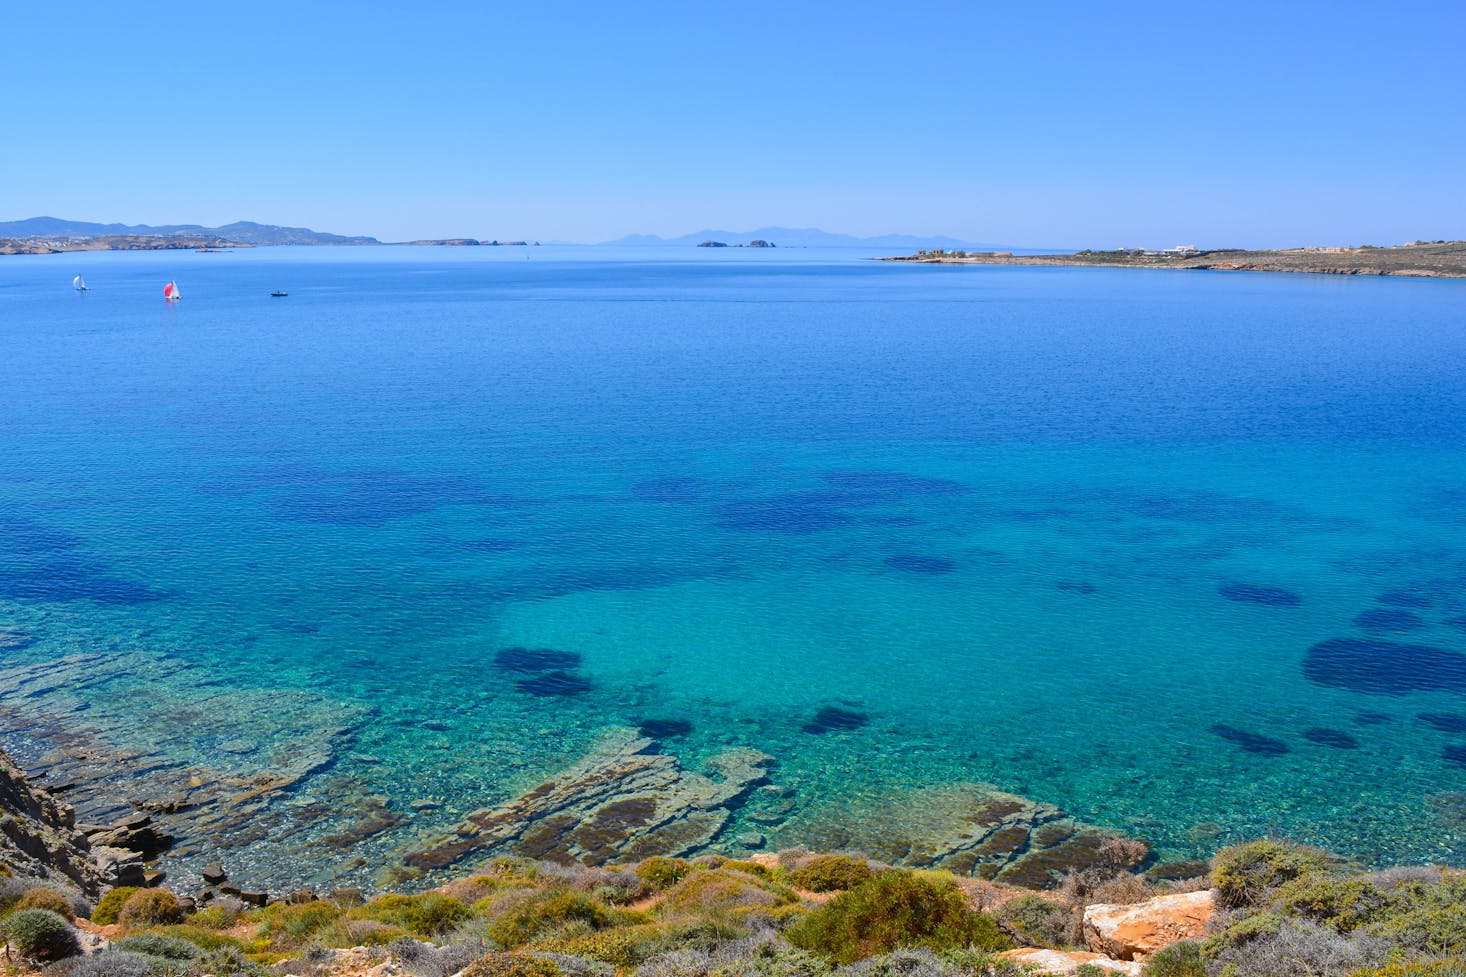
<point x="171" y="292"/>
<point x="79" y="283"/>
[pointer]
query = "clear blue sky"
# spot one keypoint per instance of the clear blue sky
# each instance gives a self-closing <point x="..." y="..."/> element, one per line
<point x="1034" y="124"/>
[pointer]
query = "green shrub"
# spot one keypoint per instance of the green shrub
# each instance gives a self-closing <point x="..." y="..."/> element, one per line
<point x="1035" y="921"/>
<point x="778" y="959"/>
<point x="830" y="873"/>
<point x="614" y="947"/>
<point x="429" y="914"/>
<point x="228" y="962"/>
<point x="360" y="932"/>
<point x="895" y="909"/>
<point x="1245" y="930"/>
<point x="1418" y="968"/>
<point x="1177" y="960"/>
<point x="41" y="935"/>
<point x="534" y="914"/>
<point x="511" y="965"/>
<point x="1300" y="949"/>
<point x="718" y="887"/>
<point x="471" y="890"/>
<point x="124" y="963"/>
<point x="1434" y="930"/>
<point x="150" y="907"/>
<point x="663" y="872"/>
<point x="215" y="917"/>
<point x="201" y="937"/>
<point x="111" y="904"/>
<point x="1245" y="875"/>
<point x="748" y="868"/>
<point x="295" y="925"/>
<point x="160" y="945"/>
<point x="44" y="898"/>
<point x="1342" y="904"/>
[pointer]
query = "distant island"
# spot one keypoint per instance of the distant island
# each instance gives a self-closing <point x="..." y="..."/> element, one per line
<point x="756" y="243"/>
<point x="802" y="237"/>
<point x="51" y="235"/>
<point x="1419" y="259"/>
<point x="119" y="242"/>
<point x="467" y="242"/>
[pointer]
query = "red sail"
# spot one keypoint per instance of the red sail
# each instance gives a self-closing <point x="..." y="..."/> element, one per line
<point x="168" y="291"/>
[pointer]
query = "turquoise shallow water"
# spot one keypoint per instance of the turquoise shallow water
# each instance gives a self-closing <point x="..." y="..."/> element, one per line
<point x="1184" y="553"/>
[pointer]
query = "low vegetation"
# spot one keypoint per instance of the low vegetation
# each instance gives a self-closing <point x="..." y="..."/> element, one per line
<point x="893" y="910"/>
<point x="1294" y="911"/>
<point x="41" y="935"/>
<point x="1287" y="911"/>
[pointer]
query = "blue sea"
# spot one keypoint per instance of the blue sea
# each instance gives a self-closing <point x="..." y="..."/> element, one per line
<point x="1183" y="553"/>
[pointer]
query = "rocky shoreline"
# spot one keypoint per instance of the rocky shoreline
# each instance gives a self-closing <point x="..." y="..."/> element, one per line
<point x="117" y="242"/>
<point x="44" y="848"/>
<point x="1442" y="259"/>
<point x="145" y="817"/>
<point x="69" y="908"/>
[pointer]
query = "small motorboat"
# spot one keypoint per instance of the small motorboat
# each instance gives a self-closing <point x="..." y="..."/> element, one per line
<point x="278" y="294"/>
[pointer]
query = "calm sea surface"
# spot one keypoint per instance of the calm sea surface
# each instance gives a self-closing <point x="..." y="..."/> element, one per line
<point x="1184" y="553"/>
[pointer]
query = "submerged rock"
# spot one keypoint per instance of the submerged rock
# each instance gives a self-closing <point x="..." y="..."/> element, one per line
<point x="1403" y="598"/>
<point x="1384" y="667"/>
<point x="555" y="683"/>
<point x="1251" y="742"/>
<point x="1253" y="594"/>
<point x="1388" y="619"/>
<point x="531" y="660"/>
<point x="1446" y="722"/>
<point x="834" y="719"/>
<point x="153" y="755"/>
<point x="661" y="729"/>
<point x="916" y="563"/>
<point x="1331" y="737"/>
<point x="1178" y="871"/>
<point x="974" y="830"/>
<point x="623" y="801"/>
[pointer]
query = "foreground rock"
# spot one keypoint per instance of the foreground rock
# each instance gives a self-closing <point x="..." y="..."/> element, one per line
<point x="623" y="801"/>
<point x="38" y="838"/>
<point x="139" y="783"/>
<point x="1069" y="961"/>
<point x="1135" y="932"/>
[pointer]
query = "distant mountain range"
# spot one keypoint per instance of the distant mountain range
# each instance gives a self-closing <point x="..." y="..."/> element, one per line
<point x="242" y="232"/>
<point x="249" y="232"/>
<point x="807" y="237"/>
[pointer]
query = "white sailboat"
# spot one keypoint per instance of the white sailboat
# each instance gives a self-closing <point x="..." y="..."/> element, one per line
<point x="171" y="292"/>
<point x="79" y="283"/>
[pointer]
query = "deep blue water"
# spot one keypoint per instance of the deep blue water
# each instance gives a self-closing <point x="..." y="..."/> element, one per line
<point x="1182" y="552"/>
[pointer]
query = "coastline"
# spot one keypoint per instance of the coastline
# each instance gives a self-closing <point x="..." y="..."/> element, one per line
<point x="77" y="900"/>
<point x="1437" y="260"/>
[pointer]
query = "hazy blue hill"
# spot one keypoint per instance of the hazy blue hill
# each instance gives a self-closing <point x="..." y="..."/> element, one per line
<point x="806" y="237"/>
<point x="245" y="232"/>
